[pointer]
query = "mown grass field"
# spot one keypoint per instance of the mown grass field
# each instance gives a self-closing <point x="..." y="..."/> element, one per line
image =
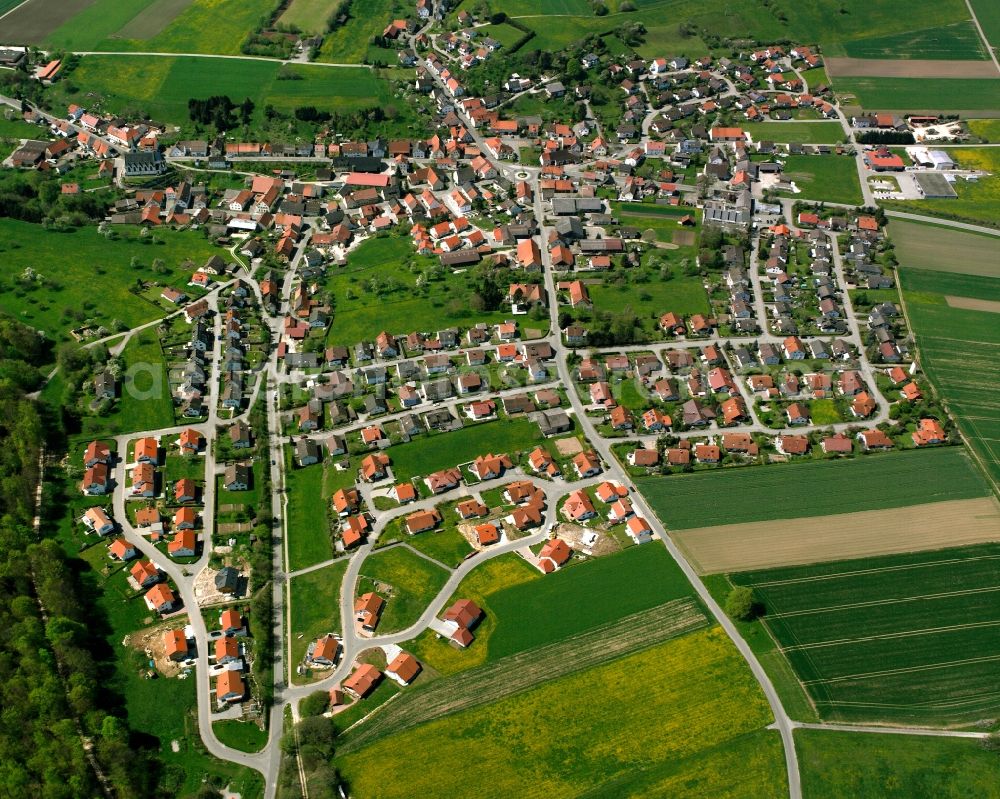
<point x="414" y="582"/>
<point x="377" y="290"/>
<point x="310" y="16"/>
<point x="704" y="706"/>
<point x="243" y="735"/>
<point x="923" y="94"/>
<point x="86" y="277"/>
<point x="682" y="295"/>
<point x="821" y="132"/>
<point x="161" y="87"/>
<point x="431" y="453"/>
<point x="978" y="201"/>
<point x="814" y="488"/>
<point x="959" y="41"/>
<point x="315" y="600"/>
<point x="905" y="638"/>
<point x="834" y="763"/>
<point x="942" y="249"/>
<point x="958" y="351"/>
<point x="199" y="26"/>
<point x="309" y="493"/>
<point x="829" y="178"/>
<point x="445" y="544"/>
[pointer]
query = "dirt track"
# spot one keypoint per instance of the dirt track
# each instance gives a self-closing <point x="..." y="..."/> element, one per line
<point x="787" y="542"/>
<point x="908" y="68"/>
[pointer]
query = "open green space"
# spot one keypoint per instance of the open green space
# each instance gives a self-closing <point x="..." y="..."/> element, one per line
<point x="351" y="43"/>
<point x="81" y="277"/>
<point x="479" y="585"/>
<point x="915" y="95"/>
<point x="387" y="285"/>
<point x="958" y="41"/>
<point x="161" y="87"/>
<point x="826" y="178"/>
<point x="789" y="491"/>
<point x="310" y="16"/>
<point x="144" y="401"/>
<point x="199" y="26"/>
<point x="706" y="708"/>
<point x="405" y="580"/>
<point x="835" y="763"/>
<point x="505" y="33"/>
<point x="310" y="490"/>
<point x="906" y="638"/>
<point x="986" y="129"/>
<point x="432" y="453"/>
<point x="978" y="200"/>
<point x="682" y="295"/>
<point x="243" y="735"/>
<point x="957" y="348"/>
<point x="988" y="14"/>
<point x="445" y="544"/>
<point x="943" y="249"/>
<point x="820" y="132"/>
<point x="315" y="604"/>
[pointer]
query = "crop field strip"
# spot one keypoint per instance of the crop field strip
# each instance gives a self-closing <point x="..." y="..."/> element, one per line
<point x="911" y="638"/>
<point x="801" y="490"/>
<point x="694" y="690"/>
<point x="959" y="350"/>
<point x="941" y="249"/>
<point x="519" y="672"/>
<point x="830" y="537"/>
<point x="957" y="41"/>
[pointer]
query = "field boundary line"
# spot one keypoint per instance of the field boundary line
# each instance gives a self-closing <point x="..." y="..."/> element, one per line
<point x="15" y="8"/>
<point x="896" y="601"/>
<point x="890" y="636"/>
<point x="907" y="669"/>
<point x="982" y="35"/>
<point x="953" y="703"/>
<point x="883" y="569"/>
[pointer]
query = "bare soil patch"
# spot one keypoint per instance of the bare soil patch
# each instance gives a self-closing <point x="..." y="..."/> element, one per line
<point x="910" y="68"/>
<point x="683" y="238"/>
<point x="788" y="542"/>
<point x="568" y="446"/>
<point x="149" y="641"/>
<point x="970" y="304"/>
<point x="586" y="540"/>
<point x="32" y="22"/>
<point x="152" y="19"/>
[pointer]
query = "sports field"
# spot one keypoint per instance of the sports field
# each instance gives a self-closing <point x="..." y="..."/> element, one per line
<point x="904" y="638"/>
<point x="830" y="178"/>
<point x="815" y="488"/>
<point x="787" y="542"/>
<point x="835" y="763"/>
<point x="707" y="712"/>
<point x="161" y="87"/>
<point x="958" y="349"/>
<point x="926" y="94"/>
<point x="942" y="249"/>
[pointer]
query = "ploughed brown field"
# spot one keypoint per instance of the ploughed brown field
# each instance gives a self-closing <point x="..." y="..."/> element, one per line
<point x="32" y="22"/>
<point x="788" y="542"/>
<point x="908" y="68"/>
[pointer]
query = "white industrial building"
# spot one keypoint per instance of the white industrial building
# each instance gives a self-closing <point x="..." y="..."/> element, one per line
<point x="931" y="159"/>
